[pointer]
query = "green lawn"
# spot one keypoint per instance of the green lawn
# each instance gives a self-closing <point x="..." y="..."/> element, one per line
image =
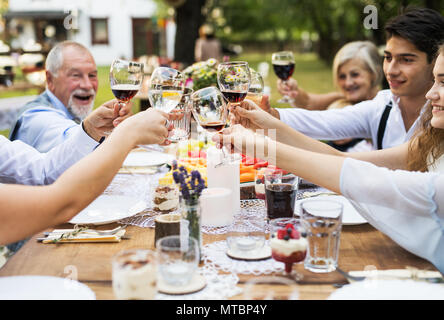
<point x="312" y="74"/>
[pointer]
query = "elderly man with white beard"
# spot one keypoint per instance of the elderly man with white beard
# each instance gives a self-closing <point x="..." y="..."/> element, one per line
<point x="65" y="107"/>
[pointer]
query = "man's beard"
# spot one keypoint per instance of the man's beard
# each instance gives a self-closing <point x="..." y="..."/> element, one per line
<point x="81" y="111"/>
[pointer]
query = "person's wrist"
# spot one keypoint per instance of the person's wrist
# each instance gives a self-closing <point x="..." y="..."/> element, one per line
<point x="89" y="130"/>
<point x="128" y="132"/>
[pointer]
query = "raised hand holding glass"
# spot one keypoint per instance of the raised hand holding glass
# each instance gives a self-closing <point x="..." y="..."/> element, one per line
<point x="283" y="66"/>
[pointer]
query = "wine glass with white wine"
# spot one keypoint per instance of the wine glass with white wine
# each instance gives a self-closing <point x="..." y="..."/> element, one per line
<point x="165" y="91"/>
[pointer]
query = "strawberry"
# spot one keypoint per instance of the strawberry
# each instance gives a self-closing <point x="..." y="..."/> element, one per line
<point x="281" y="233"/>
<point x="295" y="234"/>
<point x="289" y="225"/>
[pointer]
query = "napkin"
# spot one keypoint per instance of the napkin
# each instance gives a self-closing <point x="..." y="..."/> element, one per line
<point x="397" y="274"/>
<point x="85" y="236"/>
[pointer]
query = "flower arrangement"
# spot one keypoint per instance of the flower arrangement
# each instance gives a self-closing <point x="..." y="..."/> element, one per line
<point x="190" y="186"/>
<point x="202" y="74"/>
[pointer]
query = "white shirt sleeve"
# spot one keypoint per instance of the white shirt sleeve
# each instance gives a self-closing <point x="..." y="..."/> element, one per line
<point x="45" y="127"/>
<point x="22" y="164"/>
<point x="406" y="206"/>
<point x="350" y="122"/>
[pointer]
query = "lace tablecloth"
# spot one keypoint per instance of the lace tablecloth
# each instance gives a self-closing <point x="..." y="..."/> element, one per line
<point x="142" y="186"/>
<point x="218" y="287"/>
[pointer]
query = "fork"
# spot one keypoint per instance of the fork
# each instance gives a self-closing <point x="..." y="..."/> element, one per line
<point x="349" y="276"/>
<point x="100" y="232"/>
<point x="356" y="278"/>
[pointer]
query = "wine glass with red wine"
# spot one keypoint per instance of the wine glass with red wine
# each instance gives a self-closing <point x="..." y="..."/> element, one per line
<point x="283" y="66"/>
<point x="125" y="78"/>
<point x="210" y="110"/>
<point x="233" y="79"/>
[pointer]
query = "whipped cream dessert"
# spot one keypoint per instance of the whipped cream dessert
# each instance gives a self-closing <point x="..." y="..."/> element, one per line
<point x="135" y="276"/>
<point x="288" y="246"/>
<point x="166" y="197"/>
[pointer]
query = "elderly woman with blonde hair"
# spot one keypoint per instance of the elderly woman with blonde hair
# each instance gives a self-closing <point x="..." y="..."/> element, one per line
<point x="357" y="73"/>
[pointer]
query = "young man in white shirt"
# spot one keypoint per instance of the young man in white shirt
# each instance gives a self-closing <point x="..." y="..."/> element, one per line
<point x="390" y="118"/>
<point x="56" y="114"/>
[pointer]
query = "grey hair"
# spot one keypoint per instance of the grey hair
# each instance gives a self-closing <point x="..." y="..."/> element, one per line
<point x="54" y="60"/>
<point x="365" y="51"/>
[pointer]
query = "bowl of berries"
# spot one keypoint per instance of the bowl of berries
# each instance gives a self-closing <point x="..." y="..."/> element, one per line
<point x="288" y="241"/>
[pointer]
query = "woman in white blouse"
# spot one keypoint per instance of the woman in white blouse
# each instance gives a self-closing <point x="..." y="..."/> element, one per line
<point x="399" y="190"/>
<point x="26" y="210"/>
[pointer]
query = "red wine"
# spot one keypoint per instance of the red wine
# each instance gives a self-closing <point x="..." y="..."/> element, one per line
<point x="283" y="70"/>
<point x="124" y="92"/>
<point x="213" y="126"/>
<point x="280" y="199"/>
<point x="234" y="96"/>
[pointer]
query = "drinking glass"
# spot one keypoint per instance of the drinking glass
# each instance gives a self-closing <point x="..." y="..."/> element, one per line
<point x="165" y="92"/>
<point x="283" y="66"/>
<point x="323" y="219"/>
<point x="288" y="242"/>
<point x="233" y="79"/>
<point x="246" y="236"/>
<point x="182" y="126"/>
<point x="256" y="89"/>
<point x="178" y="259"/>
<point x="166" y="88"/>
<point x="125" y="79"/>
<point x="280" y="194"/>
<point x="134" y="274"/>
<point x="210" y="110"/>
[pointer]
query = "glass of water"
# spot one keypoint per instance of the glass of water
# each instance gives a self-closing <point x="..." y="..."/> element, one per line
<point x="182" y="126"/>
<point x="246" y="236"/>
<point x="323" y="219"/>
<point x="178" y="259"/>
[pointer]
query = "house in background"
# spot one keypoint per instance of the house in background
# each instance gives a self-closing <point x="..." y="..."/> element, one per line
<point x="109" y="28"/>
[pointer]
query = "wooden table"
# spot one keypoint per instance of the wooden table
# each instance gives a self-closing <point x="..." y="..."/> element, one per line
<point x="361" y="246"/>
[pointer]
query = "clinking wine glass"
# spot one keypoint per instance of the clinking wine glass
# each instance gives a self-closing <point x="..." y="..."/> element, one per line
<point x="165" y="91"/>
<point x="256" y="89"/>
<point x="283" y="66"/>
<point x="233" y="79"/>
<point x="210" y="110"/>
<point x="125" y="79"/>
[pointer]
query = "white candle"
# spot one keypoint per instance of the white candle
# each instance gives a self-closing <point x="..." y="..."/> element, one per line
<point x="224" y="176"/>
<point x="216" y="207"/>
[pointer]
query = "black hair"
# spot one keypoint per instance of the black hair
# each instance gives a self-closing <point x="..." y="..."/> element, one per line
<point x="423" y="27"/>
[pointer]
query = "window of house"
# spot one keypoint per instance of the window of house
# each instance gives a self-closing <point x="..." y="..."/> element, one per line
<point x="99" y="31"/>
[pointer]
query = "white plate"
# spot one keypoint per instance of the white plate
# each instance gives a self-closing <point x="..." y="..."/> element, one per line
<point x="109" y="208"/>
<point x="349" y="215"/>
<point x="43" y="288"/>
<point x="147" y="159"/>
<point x="389" y="290"/>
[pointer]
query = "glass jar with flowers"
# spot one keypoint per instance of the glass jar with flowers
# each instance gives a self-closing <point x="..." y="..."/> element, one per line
<point x="190" y="186"/>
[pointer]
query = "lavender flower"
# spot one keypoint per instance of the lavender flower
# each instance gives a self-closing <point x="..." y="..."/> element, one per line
<point x="190" y="187"/>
